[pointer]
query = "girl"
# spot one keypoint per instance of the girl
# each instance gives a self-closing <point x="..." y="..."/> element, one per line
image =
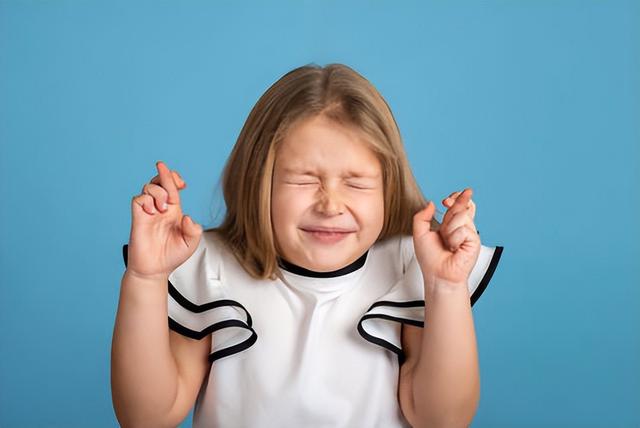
<point x="306" y="306"/>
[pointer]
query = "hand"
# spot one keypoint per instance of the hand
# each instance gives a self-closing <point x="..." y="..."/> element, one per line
<point x="161" y="238"/>
<point x="448" y="254"/>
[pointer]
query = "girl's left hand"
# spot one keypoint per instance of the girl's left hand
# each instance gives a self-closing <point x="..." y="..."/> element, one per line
<point x="449" y="254"/>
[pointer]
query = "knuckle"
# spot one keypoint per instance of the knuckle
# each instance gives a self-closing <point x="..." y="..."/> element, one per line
<point x="154" y="190"/>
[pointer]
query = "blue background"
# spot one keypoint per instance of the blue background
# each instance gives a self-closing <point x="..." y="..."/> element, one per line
<point x="535" y="105"/>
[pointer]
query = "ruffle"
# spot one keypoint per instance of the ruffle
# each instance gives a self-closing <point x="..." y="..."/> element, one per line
<point x="199" y="304"/>
<point x="404" y="303"/>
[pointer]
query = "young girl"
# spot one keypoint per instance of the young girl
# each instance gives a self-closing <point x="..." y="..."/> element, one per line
<point x="306" y="306"/>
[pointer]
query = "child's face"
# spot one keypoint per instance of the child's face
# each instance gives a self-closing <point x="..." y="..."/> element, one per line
<point x="325" y="178"/>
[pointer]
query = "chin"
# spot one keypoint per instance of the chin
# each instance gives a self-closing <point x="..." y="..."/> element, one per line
<point x="328" y="261"/>
<point x="328" y="267"/>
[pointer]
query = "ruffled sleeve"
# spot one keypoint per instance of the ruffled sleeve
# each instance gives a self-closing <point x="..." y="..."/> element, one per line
<point x="404" y="302"/>
<point x="199" y="303"/>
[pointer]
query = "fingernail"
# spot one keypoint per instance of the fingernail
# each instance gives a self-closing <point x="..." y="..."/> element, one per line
<point x="164" y="206"/>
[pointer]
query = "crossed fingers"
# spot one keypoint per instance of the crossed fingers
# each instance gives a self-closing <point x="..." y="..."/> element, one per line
<point x="460" y="213"/>
<point x="164" y="188"/>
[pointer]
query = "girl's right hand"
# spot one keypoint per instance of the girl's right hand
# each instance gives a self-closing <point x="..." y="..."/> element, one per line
<point x="161" y="238"/>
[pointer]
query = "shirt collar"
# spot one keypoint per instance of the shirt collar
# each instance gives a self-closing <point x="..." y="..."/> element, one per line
<point x="299" y="270"/>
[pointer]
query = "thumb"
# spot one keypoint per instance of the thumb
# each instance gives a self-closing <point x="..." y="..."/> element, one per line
<point x="191" y="231"/>
<point x="422" y="220"/>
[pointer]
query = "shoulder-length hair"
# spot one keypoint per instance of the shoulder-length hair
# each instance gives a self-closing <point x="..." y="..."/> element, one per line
<point x="341" y="94"/>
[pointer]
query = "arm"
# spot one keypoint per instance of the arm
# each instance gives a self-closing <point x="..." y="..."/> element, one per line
<point x="151" y="385"/>
<point x="155" y="374"/>
<point x="445" y="379"/>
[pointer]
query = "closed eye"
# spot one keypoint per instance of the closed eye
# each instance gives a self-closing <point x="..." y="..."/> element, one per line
<point x="358" y="186"/>
<point x="313" y="183"/>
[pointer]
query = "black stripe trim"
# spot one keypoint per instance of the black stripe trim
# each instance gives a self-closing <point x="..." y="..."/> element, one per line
<point x="221" y="353"/>
<point x="175" y="326"/>
<point x="299" y="270"/>
<point x="407" y="304"/>
<point x="192" y="307"/>
<point x="189" y="305"/>
<point x="193" y="334"/>
<point x="487" y="275"/>
<point x="384" y="343"/>
<point x="416" y="303"/>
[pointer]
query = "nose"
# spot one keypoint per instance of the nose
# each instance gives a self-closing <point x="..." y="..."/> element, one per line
<point x="330" y="202"/>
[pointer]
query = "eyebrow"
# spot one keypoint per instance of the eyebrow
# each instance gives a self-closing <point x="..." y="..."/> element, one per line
<point x="349" y="174"/>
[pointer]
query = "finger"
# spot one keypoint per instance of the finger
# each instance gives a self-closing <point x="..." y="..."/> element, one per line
<point x="459" y="236"/>
<point x="191" y="231"/>
<point x="472" y="209"/>
<point x="460" y="204"/>
<point x="471" y="205"/>
<point x="422" y="219"/>
<point x="166" y="181"/>
<point x="449" y="200"/>
<point x="457" y="220"/>
<point x="180" y="183"/>
<point x="159" y="194"/>
<point x="145" y="202"/>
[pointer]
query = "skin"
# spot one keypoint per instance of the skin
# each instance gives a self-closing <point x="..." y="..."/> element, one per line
<point x="156" y="373"/>
<point x="439" y="383"/>
<point x="325" y="176"/>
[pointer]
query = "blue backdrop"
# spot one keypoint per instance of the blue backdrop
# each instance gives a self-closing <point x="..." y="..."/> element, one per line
<point x="535" y="105"/>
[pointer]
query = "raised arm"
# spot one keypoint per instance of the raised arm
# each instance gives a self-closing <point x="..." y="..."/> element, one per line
<point x="155" y="372"/>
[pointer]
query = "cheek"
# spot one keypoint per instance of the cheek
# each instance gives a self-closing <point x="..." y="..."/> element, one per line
<point x="287" y="206"/>
<point x="370" y="209"/>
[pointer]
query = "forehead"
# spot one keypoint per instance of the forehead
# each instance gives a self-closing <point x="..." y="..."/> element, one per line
<point x="319" y="144"/>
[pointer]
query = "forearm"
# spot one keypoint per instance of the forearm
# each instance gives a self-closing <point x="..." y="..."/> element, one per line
<point x="144" y="378"/>
<point x="446" y="384"/>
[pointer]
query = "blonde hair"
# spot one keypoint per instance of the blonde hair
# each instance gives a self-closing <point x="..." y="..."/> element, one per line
<point x="339" y="93"/>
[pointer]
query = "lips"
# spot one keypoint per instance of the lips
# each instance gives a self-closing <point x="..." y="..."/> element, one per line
<point x="327" y="229"/>
<point x="327" y="235"/>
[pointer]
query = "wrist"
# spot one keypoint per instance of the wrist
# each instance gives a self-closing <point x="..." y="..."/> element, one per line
<point x="155" y="278"/>
<point x="143" y="290"/>
<point x="443" y="287"/>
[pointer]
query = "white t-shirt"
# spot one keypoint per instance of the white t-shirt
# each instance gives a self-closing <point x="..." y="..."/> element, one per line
<point x="308" y="350"/>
